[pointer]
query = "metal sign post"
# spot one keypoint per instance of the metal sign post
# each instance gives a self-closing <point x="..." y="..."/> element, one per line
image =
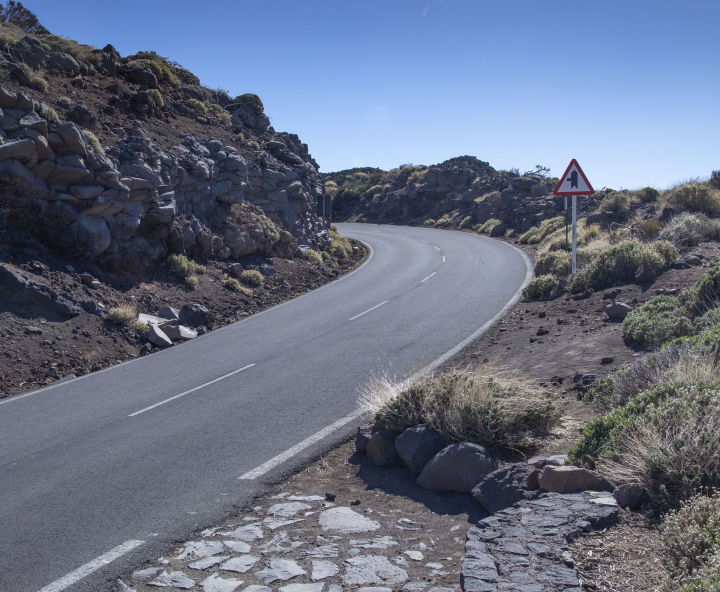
<point x="573" y="183"/>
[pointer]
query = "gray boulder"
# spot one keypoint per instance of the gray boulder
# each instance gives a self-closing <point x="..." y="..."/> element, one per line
<point x="629" y="495"/>
<point x="64" y="63"/>
<point x="142" y="76"/>
<point x="169" y="313"/>
<point x="645" y="273"/>
<point x="557" y="460"/>
<point x="570" y="479"/>
<point x="94" y="234"/>
<point x="17" y="287"/>
<point x="381" y="448"/>
<point x="364" y="433"/>
<point x="458" y="467"/>
<point x="30" y="51"/>
<point x="502" y="488"/>
<point x="194" y="315"/>
<point x="617" y="310"/>
<point x="157" y="336"/>
<point x="417" y="445"/>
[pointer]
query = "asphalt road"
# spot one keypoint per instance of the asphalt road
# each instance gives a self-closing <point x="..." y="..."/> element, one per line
<point x="97" y="465"/>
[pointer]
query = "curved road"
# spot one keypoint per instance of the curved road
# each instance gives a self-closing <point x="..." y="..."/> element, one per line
<point x="102" y="472"/>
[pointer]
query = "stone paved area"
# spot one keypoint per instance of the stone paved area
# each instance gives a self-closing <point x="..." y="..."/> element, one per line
<point x="525" y="548"/>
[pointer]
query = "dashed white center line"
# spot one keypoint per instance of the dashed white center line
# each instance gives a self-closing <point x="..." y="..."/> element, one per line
<point x="368" y="310"/>
<point x="197" y="388"/>
<point x="90" y="567"/>
<point x="443" y="258"/>
<point x="428" y="277"/>
<point x="438" y="248"/>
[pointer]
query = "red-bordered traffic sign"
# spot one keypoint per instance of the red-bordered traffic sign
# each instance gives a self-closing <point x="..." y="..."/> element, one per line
<point x="574" y="182"/>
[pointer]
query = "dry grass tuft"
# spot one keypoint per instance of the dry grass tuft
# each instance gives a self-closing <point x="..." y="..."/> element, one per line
<point x="490" y="406"/>
<point x="125" y="314"/>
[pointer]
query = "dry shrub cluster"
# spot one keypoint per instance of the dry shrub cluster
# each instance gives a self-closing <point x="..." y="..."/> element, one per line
<point x="490" y="407"/>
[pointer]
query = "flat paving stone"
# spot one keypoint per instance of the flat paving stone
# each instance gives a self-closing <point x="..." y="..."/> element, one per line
<point x="372" y="569"/>
<point x="248" y="533"/>
<point x="175" y="579"/>
<point x="144" y="574"/>
<point x="237" y="546"/>
<point x="288" y="510"/>
<point x="415" y="555"/>
<point x="279" y="569"/>
<point x="208" y="562"/>
<point x="217" y="584"/>
<point x="200" y="549"/>
<point x="241" y="564"/>
<point x="346" y="521"/>
<point x="323" y="569"/>
<point x="317" y="587"/>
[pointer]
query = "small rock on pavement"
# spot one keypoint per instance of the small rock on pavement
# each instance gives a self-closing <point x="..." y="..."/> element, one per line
<point x="502" y="488"/>
<point x="629" y="495"/>
<point x="157" y="336"/>
<point x="346" y="521"/>
<point x="645" y="273"/>
<point x="617" y="310"/>
<point x="364" y="433"/>
<point x="458" y="467"/>
<point x="381" y="448"/>
<point x="570" y="479"/>
<point x="417" y="445"/>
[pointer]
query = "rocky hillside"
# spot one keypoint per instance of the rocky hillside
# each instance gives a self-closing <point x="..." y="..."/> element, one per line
<point x="127" y="159"/>
<point x="462" y="191"/>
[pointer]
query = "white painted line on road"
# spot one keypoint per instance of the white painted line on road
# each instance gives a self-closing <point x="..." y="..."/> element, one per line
<point x="197" y="388"/>
<point x="428" y="277"/>
<point x="85" y="570"/>
<point x="290" y="452"/>
<point x="438" y="248"/>
<point x="443" y="258"/>
<point x="368" y="310"/>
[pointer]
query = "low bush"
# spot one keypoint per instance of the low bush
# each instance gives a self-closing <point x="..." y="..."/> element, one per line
<point x="196" y="105"/>
<point x="647" y="194"/>
<point x="488" y="226"/>
<point x="231" y="284"/>
<point x="39" y="84"/>
<point x="538" y="233"/>
<point x="557" y="263"/>
<point x="489" y="407"/>
<point x="313" y="256"/>
<point x="490" y="198"/>
<point x="64" y="102"/>
<point x="691" y="536"/>
<point x="467" y="221"/>
<point x="125" y="314"/>
<point x="156" y="97"/>
<point x="93" y="141"/>
<point x="184" y="267"/>
<point x="429" y="222"/>
<point x="250" y="98"/>
<point x="615" y="201"/>
<point x="192" y="281"/>
<point x="139" y="327"/>
<point x="540" y="287"/>
<point x="220" y="113"/>
<point x="617" y="265"/>
<point x="340" y="246"/>
<point x="253" y="145"/>
<point x="690" y="229"/>
<point x="164" y="70"/>
<point x="657" y="321"/>
<point x="252" y="277"/>
<point x="555" y="241"/>
<point x="49" y="114"/>
<point x="694" y="197"/>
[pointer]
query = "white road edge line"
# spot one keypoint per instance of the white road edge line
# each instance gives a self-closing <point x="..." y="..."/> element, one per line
<point x="428" y="277"/>
<point x="90" y="567"/>
<point x="197" y="388"/>
<point x="290" y="452"/>
<point x="368" y="310"/>
<point x="438" y="248"/>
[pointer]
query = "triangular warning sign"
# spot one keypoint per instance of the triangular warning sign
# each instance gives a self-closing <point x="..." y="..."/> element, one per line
<point x="574" y="182"/>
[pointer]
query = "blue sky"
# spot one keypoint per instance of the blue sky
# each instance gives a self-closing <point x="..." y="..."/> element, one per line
<point x="630" y="88"/>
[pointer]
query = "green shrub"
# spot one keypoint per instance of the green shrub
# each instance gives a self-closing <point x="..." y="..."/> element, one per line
<point x="64" y="102"/>
<point x="488" y="407"/>
<point x="269" y="229"/>
<point x="93" y="141"/>
<point x="313" y="256"/>
<point x="557" y="263"/>
<point x="467" y="221"/>
<point x="615" y="201"/>
<point x="647" y="194"/>
<point x="182" y="266"/>
<point x="540" y="287"/>
<point x="714" y="180"/>
<point x="125" y="314"/>
<point x="156" y="97"/>
<point x="617" y="265"/>
<point x="694" y="197"/>
<point x="657" y="321"/>
<point x="192" y="281"/>
<point x="39" y="84"/>
<point x="689" y="229"/>
<point x="251" y="98"/>
<point x="538" y="233"/>
<point x="253" y="145"/>
<point x="488" y="226"/>
<point x="340" y="246"/>
<point x="49" y="114"/>
<point x="163" y="69"/>
<point x="429" y="222"/>
<point x="252" y="277"/>
<point x="231" y="284"/>
<point x="196" y="105"/>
